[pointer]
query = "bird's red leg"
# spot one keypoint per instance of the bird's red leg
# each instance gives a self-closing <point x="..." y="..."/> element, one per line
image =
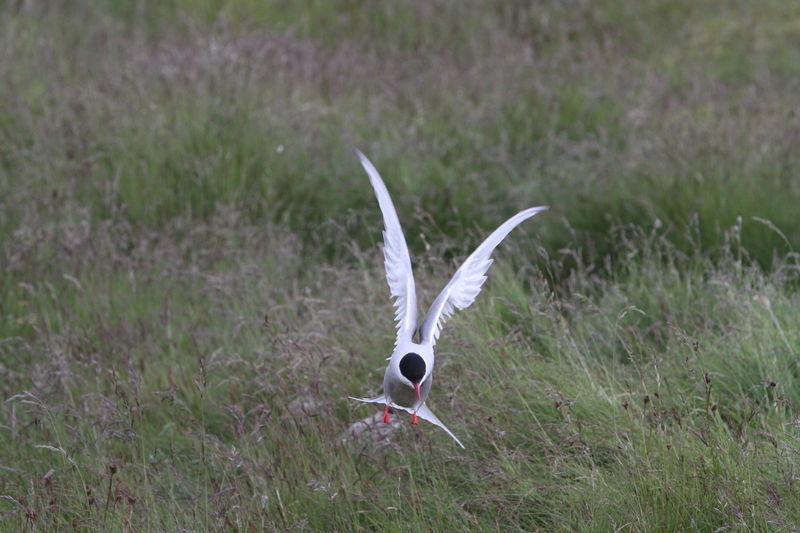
<point x="414" y="420"/>
<point x="386" y="415"/>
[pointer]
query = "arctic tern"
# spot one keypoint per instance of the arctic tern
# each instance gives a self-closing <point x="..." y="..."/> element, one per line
<point x="407" y="381"/>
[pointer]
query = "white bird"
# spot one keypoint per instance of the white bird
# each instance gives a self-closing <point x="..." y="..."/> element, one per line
<point x="407" y="381"/>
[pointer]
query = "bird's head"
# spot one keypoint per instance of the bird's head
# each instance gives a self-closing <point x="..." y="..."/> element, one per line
<point x="412" y="368"/>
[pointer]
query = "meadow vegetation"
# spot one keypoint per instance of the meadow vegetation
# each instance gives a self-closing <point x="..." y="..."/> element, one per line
<point x="192" y="282"/>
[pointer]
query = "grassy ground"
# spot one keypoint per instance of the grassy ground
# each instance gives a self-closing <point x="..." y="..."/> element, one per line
<point x="192" y="280"/>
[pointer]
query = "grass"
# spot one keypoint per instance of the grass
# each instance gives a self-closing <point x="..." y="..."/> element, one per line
<point x="193" y="283"/>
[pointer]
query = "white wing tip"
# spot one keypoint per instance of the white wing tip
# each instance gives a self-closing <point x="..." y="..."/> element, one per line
<point x="531" y="211"/>
<point x="375" y="179"/>
<point x="365" y="162"/>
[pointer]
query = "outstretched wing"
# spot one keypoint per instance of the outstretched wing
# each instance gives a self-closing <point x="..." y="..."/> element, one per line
<point x="396" y="258"/>
<point x="466" y="283"/>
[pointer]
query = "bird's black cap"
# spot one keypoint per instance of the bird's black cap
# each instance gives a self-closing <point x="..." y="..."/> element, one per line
<point x="412" y="366"/>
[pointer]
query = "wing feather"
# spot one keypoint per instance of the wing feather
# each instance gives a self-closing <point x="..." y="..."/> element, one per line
<point x="396" y="259"/>
<point x="466" y="283"/>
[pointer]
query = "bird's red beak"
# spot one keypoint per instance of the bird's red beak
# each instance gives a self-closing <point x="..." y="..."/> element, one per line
<point x="416" y="388"/>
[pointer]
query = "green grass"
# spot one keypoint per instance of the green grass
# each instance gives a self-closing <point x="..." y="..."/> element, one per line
<point x="192" y="281"/>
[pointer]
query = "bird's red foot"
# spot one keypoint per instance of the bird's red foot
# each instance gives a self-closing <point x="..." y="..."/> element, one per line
<point x="414" y="420"/>
<point x="386" y="415"/>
